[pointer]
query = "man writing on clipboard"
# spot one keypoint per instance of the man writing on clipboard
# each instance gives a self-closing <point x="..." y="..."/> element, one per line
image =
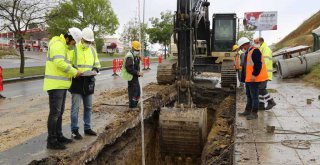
<point x="82" y="88"/>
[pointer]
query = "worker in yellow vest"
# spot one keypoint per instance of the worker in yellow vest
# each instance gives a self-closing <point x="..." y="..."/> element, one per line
<point x="85" y="58"/>
<point x="57" y="80"/>
<point x="264" y="96"/>
<point x="131" y="72"/>
<point x="254" y="72"/>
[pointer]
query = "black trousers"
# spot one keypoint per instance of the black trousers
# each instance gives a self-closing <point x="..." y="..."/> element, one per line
<point x="57" y="98"/>
<point x="133" y="92"/>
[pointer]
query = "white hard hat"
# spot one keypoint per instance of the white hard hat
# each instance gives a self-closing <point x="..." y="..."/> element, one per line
<point x="87" y="34"/>
<point x="242" y="41"/>
<point x="75" y="33"/>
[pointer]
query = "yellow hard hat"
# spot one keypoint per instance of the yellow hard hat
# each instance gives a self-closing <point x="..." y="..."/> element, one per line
<point x="234" y="47"/>
<point x="136" y="45"/>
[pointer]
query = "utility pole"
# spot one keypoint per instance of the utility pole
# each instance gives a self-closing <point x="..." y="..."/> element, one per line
<point x="143" y="17"/>
<point x="259" y="33"/>
<point x="141" y="92"/>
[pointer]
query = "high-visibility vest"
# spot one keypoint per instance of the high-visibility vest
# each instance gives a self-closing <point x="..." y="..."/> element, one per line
<point x="263" y="75"/>
<point x="124" y="74"/>
<point x="58" y="72"/>
<point x="267" y="53"/>
<point x="84" y="59"/>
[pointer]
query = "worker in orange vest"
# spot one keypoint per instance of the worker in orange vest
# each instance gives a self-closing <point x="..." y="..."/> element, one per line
<point x="254" y="72"/>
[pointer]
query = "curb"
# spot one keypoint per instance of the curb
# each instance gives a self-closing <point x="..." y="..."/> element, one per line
<point x="13" y="80"/>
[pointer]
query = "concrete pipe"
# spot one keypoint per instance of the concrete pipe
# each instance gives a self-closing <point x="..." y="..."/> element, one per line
<point x="298" y="65"/>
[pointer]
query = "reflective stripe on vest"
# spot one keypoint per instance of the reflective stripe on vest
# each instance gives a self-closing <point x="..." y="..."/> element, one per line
<point x="57" y="78"/>
<point x="84" y="66"/>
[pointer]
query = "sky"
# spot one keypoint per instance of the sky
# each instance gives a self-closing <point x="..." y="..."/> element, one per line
<point x="291" y="13"/>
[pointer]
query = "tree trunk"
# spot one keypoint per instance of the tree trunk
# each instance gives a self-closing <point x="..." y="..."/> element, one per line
<point x="21" y="55"/>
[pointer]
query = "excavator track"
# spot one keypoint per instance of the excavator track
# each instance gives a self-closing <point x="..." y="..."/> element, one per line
<point x="228" y="74"/>
<point x="166" y="73"/>
<point x="182" y="132"/>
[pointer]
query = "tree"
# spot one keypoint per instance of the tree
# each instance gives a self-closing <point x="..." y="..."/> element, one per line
<point x="248" y="34"/>
<point x="131" y="32"/>
<point x="97" y="14"/>
<point x="161" y="30"/>
<point x="17" y="15"/>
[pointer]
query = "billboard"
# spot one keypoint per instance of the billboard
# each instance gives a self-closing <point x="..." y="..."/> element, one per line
<point x="259" y="21"/>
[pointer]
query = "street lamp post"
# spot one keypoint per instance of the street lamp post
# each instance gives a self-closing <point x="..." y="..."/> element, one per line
<point x="141" y="92"/>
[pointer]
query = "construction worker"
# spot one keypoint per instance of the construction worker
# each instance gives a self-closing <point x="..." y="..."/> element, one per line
<point x="253" y="73"/>
<point x="264" y="96"/>
<point x="86" y="60"/>
<point x="131" y="72"/>
<point x="57" y="80"/>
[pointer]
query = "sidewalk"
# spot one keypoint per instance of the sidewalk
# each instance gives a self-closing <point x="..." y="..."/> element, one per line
<point x="253" y="145"/>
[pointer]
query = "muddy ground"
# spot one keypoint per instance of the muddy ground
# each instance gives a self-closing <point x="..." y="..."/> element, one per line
<point x="30" y="121"/>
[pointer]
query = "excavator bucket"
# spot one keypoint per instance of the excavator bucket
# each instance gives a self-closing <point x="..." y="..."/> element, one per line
<point x="166" y="73"/>
<point x="182" y="131"/>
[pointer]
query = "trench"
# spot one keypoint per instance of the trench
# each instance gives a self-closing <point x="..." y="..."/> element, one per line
<point x="218" y="148"/>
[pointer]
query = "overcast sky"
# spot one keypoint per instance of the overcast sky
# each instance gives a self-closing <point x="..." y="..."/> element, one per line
<point x="291" y="13"/>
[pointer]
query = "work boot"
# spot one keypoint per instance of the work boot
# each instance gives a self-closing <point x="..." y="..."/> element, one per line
<point x="271" y="104"/>
<point x="246" y="112"/>
<point x="55" y="145"/>
<point x="64" y="140"/>
<point x="253" y="115"/>
<point x="2" y="97"/>
<point x="90" y="132"/>
<point x="261" y="106"/>
<point x="75" y="135"/>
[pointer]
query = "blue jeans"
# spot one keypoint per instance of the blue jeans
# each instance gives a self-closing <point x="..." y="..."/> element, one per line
<point x="87" y="106"/>
<point x="252" y="92"/>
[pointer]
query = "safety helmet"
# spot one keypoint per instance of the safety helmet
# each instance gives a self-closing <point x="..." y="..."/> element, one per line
<point x="87" y="34"/>
<point x="234" y="47"/>
<point x="75" y="33"/>
<point x="136" y="45"/>
<point x="243" y="40"/>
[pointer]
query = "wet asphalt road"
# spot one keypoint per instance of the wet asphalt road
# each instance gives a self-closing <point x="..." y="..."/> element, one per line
<point x="104" y="81"/>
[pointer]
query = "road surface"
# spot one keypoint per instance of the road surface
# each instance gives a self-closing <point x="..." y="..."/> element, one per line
<point x="32" y="59"/>
<point x="104" y="81"/>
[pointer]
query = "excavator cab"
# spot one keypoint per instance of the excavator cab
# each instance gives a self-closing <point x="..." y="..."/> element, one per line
<point x="222" y="39"/>
<point x="223" y="32"/>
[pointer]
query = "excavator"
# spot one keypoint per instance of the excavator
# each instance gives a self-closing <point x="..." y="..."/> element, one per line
<point x="183" y="127"/>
